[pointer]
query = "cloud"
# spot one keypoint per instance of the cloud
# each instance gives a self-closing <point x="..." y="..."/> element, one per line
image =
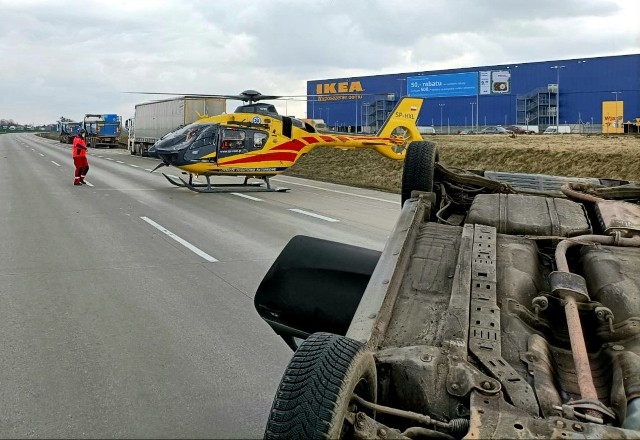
<point x="78" y="57"/>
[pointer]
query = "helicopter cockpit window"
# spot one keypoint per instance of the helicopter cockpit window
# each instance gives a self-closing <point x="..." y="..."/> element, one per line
<point x="259" y="139"/>
<point x="204" y="135"/>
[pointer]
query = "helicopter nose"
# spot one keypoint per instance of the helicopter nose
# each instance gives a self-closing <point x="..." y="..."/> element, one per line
<point x="169" y="158"/>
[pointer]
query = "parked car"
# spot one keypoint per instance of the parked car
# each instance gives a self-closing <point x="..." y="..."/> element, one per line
<point x="467" y="132"/>
<point x="424" y="130"/>
<point x="517" y="129"/>
<point x="560" y="129"/>
<point x="495" y="129"/>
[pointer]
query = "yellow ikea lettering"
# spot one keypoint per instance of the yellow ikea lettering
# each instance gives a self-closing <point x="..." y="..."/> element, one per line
<point x="356" y="87"/>
<point x="341" y="87"/>
<point x="330" y="88"/>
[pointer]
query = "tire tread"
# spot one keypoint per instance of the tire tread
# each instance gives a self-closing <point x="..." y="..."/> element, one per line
<point x="306" y="400"/>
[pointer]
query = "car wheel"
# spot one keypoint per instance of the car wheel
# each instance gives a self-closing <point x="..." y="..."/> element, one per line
<point x="419" y="168"/>
<point x="316" y="390"/>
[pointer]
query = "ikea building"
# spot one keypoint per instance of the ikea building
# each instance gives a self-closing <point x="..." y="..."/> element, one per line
<point x="599" y="94"/>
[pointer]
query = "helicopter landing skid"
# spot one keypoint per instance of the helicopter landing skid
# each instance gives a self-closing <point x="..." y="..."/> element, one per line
<point x="183" y="184"/>
<point x="227" y="187"/>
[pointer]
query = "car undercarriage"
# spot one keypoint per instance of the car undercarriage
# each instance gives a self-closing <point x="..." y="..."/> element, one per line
<point x="504" y="305"/>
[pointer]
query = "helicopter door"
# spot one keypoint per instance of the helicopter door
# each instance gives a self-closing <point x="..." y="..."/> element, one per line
<point x="232" y="142"/>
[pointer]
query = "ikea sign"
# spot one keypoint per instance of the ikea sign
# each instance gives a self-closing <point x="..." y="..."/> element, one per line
<point x="442" y="86"/>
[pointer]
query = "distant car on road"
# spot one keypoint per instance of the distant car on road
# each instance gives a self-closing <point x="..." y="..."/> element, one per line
<point x="467" y="132"/>
<point x="495" y="129"/>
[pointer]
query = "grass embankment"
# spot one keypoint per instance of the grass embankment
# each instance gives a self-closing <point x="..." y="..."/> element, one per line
<point x="616" y="157"/>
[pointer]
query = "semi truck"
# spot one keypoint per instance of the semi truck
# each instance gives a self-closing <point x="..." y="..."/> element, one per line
<point x="68" y="130"/>
<point x="103" y="130"/>
<point x="153" y="120"/>
<point x="504" y="305"/>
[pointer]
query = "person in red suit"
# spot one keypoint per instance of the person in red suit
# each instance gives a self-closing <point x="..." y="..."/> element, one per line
<point x="79" y="153"/>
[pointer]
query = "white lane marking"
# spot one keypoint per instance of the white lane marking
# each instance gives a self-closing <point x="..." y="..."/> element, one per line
<point x="311" y="214"/>
<point x="338" y="192"/>
<point x="41" y="154"/>
<point x="172" y="176"/>
<point x="88" y="183"/>
<point x="108" y="158"/>
<point x="119" y="161"/>
<point x="183" y="242"/>
<point x="135" y="166"/>
<point x="101" y="157"/>
<point x="148" y="169"/>
<point x="255" y="199"/>
<point x="55" y="163"/>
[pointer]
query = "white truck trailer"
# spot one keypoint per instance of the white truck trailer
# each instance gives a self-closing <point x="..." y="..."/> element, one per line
<point x="152" y="120"/>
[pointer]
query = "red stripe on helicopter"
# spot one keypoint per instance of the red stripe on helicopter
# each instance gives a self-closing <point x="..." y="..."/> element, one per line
<point x="311" y="140"/>
<point x="343" y="138"/>
<point x="286" y="157"/>
<point x="328" y="138"/>
<point x="292" y="145"/>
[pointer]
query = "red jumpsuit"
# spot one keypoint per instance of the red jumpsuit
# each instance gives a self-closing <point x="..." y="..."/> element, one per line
<point x="79" y="153"/>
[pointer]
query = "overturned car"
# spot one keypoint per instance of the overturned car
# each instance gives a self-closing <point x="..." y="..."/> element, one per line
<point x="503" y="305"/>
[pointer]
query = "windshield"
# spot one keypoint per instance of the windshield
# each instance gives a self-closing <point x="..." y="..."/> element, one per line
<point x="186" y="136"/>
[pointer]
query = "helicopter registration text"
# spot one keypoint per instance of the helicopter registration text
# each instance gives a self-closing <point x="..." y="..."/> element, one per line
<point x="405" y="115"/>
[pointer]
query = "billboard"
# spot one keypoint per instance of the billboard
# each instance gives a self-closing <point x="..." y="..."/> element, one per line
<point x="442" y="86"/>
<point x="495" y="82"/>
<point x="612" y="112"/>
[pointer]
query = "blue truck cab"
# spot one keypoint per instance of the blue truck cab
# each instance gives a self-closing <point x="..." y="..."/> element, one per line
<point x="102" y="130"/>
<point x="67" y="131"/>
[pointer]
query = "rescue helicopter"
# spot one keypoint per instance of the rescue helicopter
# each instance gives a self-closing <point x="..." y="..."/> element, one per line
<point x="257" y="142"/>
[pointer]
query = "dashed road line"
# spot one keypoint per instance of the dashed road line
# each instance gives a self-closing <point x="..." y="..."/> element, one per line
<point x="337" y="191"/>
<point x="55" y="163"/>
<point x="255" y="199"/>
<point x="312" y="214"/>
<point x="183" y="242"/>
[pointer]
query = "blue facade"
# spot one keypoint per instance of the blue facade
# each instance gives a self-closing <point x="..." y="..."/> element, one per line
<point x="525" y="92"/>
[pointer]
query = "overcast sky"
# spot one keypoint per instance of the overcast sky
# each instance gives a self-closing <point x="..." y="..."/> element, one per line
<point x="68" y="58"/>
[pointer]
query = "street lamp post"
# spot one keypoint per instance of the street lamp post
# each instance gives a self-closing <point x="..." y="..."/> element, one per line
<point x="472" y="104"/>
<point x="401" y="79"/>
<point x="557" y="67"/>
<point x="616" y="122"/>
<point x="441" y="105"/>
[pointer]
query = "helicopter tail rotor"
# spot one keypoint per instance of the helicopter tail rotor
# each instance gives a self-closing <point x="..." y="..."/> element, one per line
<point x="401" y="128"/>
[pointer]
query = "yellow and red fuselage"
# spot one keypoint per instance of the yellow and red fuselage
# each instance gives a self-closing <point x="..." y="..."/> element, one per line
<point x="267" y="144"/>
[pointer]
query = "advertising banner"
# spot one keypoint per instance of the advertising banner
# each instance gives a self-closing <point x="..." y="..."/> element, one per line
<point x="612" y="112"/>
<point x="485" y="82"/>
<point x="495" y="82"/>
<point x="442" y="86"/>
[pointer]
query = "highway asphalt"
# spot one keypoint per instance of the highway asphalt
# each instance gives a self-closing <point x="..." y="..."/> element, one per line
<point x="126" y="305"/>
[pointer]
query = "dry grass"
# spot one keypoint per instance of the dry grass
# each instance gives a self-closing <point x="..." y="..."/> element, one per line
<point x="616" y="157"/>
